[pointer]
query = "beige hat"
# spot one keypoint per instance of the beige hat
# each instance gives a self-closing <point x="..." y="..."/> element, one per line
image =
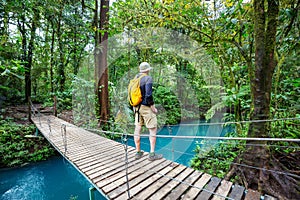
<point x="144" y="67"/>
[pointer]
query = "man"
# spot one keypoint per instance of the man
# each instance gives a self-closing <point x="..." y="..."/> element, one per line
<point x="145" y="114"/>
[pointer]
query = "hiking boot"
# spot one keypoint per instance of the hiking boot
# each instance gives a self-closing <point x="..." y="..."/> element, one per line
<point x="154" y="156"/>
<point x="139" y="154"/>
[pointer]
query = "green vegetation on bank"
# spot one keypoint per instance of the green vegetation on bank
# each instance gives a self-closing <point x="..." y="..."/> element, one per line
<point x="16" y="149"/>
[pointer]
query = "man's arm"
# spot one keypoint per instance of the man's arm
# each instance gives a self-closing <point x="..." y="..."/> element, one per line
<point x="148" y="92"/>
<point x="148" y="95"/>
<point x="153" y="108"/>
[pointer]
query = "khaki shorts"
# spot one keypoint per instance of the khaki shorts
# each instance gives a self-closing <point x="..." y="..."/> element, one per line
<point x="147" y="117"/>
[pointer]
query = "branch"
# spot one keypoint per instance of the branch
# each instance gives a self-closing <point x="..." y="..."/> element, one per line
<point x="186" y="24"/>
<point x="86" y="6"/>
<point x="243" y="53"/>
<point x="289" y="27"/>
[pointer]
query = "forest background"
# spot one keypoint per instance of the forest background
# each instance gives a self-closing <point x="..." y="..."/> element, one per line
<point x="58" y="50"/>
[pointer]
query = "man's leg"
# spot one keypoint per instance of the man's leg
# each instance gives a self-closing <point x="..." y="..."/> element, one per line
<point x="152" y="139"/>
<point x="137" y="141"/>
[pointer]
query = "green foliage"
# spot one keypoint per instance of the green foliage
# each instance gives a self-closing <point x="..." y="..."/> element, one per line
<point x="285" y="129"/>
<point x="11" y="78"/>
<point x="215" y="159"/>
<point x="84" y="102"/>
<point x="16" y="149"/>
<point x="63" y="99"/>
<point x="166" y="99"/>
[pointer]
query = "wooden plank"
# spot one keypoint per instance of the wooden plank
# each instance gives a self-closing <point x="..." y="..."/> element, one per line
<point x="80" y="138"/>
<point x="179" y="191"/>
<point x="199" y="184"/>
<point x="118" y="170"/>
<point x="223" y="190"/>
<point x="98" y="159"/>
<point x="137" y="177"/>
<point x="105" y="170"/>
<point x="237" y="192"/>
<point x="78" y="150"/>
<point x="84" y="156"/>
<point x="252" y="195"/>
<point x="99" y="156"/>
<point x="209" y="189"/>
<point x="132" y="175"/>
<point x="147" y="182"/>
<point x="88" y="154"/>
<point x="80" y="141"/>
<point x="177" y="179"/>
<point x="112" y="162"/>
<point x="121" y="172"/>
<point x="164" y="180"/>
<point x="145" y="194"/>
<point x="75" y="144"/>
<point x="105" y="162"/>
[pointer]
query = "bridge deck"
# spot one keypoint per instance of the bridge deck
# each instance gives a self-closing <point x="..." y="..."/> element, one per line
<point x="102" y="162"/>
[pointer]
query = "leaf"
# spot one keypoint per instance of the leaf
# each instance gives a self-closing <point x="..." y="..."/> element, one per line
<point x="6" y="71"/>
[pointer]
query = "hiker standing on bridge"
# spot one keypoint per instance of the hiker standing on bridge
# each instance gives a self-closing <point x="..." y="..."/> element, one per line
<point x="145" y="113"/>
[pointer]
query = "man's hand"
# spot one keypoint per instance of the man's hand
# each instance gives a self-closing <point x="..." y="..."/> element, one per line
<point x="153" y="109"/>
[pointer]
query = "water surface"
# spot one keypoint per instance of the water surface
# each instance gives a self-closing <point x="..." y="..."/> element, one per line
<point x="54" y="179"/>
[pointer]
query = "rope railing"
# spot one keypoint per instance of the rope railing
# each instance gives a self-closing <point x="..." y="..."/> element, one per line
<point x="202" y="137"/>
<point x="212" y="138"/>
<point x="67" y="136"/>
<point x="208" y="123"/>
<point x="234" y="163"/>
<point x="240" y="122"/>
<point x="184" y="153"/>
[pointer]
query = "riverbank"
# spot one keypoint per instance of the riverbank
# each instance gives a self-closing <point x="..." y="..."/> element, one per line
<point x="18" y="146"/>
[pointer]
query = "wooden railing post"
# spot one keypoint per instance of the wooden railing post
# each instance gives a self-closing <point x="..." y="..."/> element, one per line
<point x="55" y="105"/>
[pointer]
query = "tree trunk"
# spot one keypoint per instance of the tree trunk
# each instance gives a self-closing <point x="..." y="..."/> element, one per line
<point x="265" y="23"/>
<point x="27" y="49"/>
<point x="101" y="70"/>
<point x="52" y="58"/>
<point x="257" y="176"/>
<point x="61" y="65"/>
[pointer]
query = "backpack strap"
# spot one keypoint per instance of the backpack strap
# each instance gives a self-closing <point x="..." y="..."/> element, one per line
<point x="138" y="111"/>
<point x="140" y="76"/>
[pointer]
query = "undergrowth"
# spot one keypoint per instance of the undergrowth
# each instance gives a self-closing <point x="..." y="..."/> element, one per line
<point x="216" y="158"/>
<point x="16" y="149"/>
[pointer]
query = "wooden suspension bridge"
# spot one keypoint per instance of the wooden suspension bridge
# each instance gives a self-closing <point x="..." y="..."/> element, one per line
<point x="116" y="174"/>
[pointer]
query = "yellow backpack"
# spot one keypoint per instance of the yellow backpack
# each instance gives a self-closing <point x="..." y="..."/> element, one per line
<point x="134" y="91"/>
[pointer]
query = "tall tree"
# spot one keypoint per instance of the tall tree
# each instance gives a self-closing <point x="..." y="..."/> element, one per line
<point x="27" y="47"/>
<point x="265" y="20"/>
<point x="265" y="28"/>
<point x="101" y="70"/>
